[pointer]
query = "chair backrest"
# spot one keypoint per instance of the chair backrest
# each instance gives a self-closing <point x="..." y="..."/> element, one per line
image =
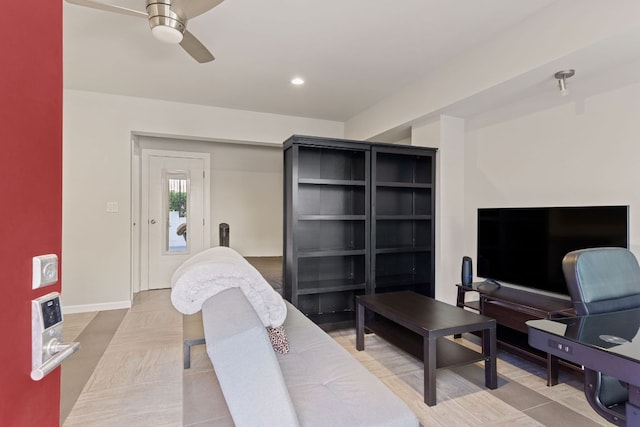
<point x="602" y="280"/>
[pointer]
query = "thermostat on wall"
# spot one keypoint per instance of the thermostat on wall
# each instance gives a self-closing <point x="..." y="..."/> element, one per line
<point x="45" y="270"/>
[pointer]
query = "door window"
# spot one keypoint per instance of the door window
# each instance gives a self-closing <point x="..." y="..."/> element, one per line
<point x="177" y="215"/>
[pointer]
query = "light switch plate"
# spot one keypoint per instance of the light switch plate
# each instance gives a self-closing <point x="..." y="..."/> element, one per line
<point x="45" y="271"/>
<point x="112" y="207"/>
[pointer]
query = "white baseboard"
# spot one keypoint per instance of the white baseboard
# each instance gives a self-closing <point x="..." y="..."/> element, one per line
<point x="71" y="309"/>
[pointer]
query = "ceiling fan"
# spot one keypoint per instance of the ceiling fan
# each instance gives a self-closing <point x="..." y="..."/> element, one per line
<point x="168" y="21"/>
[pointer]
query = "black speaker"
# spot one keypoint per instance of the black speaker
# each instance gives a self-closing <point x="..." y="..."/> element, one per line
<point x="467" y="271"/>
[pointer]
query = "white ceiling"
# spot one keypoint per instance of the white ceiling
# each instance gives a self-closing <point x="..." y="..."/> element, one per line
<point x="352" y="53"/>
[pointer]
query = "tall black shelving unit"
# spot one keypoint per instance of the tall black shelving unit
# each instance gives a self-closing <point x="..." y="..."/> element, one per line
<point x="358" y="218"/>
<point x="402" y="219"/>
<point x="327" y="211"/>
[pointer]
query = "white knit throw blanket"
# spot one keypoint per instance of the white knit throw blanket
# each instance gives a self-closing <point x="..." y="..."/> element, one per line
<point x="214" y="270"/>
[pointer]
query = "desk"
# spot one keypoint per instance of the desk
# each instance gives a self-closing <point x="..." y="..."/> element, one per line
<point x="608" y="342"/>
<point x="408" y="318"/>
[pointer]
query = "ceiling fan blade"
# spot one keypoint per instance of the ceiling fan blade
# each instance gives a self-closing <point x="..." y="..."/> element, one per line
<point x="109" y="8"/>
<point x="196" y="49"/>
<point x="189" y="9"/>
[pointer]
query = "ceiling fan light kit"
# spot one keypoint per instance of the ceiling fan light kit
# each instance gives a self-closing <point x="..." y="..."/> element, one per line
<point x="168" y="21"/>
<point x="167" y="34"/>
<point x="165" y="24"/>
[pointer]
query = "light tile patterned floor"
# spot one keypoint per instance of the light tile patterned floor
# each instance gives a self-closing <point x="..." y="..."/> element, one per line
<point x="522" y="397"/>
<point x="139" y="379"/>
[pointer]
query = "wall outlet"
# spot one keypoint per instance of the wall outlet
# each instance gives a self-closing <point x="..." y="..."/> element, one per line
<point x="45" y="271"/>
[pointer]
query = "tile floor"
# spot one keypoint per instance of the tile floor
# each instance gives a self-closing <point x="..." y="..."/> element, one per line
<point x="137" y="380"/>
<point x="129" y="372"/>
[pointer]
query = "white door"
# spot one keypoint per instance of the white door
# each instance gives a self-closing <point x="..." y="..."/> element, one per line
<point x="175" y="213"/>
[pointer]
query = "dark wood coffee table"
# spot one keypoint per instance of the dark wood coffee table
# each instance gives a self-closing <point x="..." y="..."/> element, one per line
<point x="405" y="317"/>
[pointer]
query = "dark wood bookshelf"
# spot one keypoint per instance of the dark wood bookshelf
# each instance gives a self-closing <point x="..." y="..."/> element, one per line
<point x="358" y="219"/>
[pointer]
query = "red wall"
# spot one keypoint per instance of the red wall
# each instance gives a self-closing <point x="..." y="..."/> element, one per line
<point x="30" y="196"/>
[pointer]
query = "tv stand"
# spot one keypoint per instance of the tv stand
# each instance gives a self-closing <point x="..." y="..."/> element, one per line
<point x="511" y="308"/>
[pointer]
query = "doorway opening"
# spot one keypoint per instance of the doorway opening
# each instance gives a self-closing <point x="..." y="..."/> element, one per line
<point x="171" y="213"/>
<point x="245" y="192"/>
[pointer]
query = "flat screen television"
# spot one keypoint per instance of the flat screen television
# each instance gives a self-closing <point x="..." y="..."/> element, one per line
<point x="525" y="246"/>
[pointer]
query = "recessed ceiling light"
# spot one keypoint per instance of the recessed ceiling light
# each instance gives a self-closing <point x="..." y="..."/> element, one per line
<point x="297" y="81"/>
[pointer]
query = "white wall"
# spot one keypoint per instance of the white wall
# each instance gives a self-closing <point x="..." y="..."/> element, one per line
<point x="570" y="155"/>
<point x="97" y="157"/>
<point x="447" y="134"/>
<point x="576" y="154"/>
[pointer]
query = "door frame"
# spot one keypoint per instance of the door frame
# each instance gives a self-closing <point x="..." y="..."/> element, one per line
<point x="140" y="220"/>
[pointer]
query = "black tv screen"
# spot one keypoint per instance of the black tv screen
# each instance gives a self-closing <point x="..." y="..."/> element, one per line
<point x="525" y="246"/>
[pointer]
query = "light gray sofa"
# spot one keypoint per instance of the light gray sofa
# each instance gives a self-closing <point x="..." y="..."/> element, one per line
<point x="318" y="383"/>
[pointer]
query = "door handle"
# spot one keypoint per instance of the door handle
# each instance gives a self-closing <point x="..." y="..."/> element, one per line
<point x="153" y="221"/>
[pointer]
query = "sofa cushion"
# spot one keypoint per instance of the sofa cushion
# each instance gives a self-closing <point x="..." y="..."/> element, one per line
<point x="329" y="387"/>
<point x="245" y="363"/>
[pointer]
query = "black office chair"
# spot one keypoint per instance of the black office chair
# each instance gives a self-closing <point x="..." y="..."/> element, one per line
<point x="602" y="280"/>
